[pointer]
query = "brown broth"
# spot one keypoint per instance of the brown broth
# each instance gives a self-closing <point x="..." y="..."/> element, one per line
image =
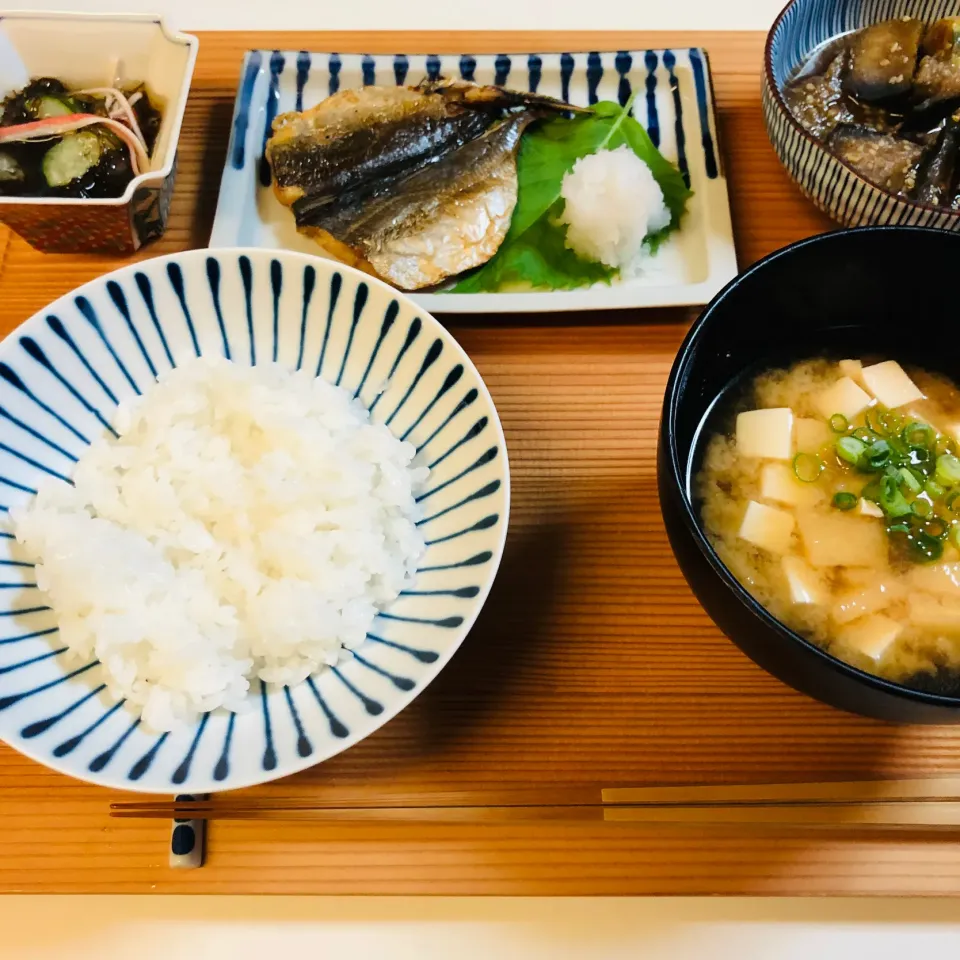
<point x="888" y="585"/>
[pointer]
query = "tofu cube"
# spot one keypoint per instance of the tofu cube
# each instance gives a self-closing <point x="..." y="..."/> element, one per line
<point x="842" y="540"/>
<point x="779" y="483"/>
<point x="889" y="383"/>
<point x="870" y="635"/>
<point x="843" y="397"/>
<point x="766" y="433"/>
<point x="942" y="579"/>
<point x="934" y="613"/>
<point x="854" y="370"/>
<point x="805" y="584"/>
<point x="860" y="601"/>
<point x="811" y="434"/>
<point x="867" y="508"/>
<point x="767" y="527"/>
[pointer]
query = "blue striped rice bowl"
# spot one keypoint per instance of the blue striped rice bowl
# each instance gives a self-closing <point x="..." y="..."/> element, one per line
<point x="833" y="186"/>
<point x="63" y="373"/>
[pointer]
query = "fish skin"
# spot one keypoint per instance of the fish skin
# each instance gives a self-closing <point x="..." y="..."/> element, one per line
<point x="446" y="217"/>
<point x="478" y="96"/>
<point x="358" y="135"/>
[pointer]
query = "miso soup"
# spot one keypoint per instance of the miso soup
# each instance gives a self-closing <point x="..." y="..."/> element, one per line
<point x="833" y="496"/>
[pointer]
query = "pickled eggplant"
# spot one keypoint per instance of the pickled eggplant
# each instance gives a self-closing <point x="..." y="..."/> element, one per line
<point x="818" y="102"/>
<point x="936" y="173"/>
<point x="882" y="158"/>
<point x="883" y="59"/>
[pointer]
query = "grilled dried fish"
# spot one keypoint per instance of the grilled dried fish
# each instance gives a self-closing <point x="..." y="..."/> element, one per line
<point x="361" y="135"/>
<point x="475" y="95"/>
<point x="415" y="230"/>
<point x="357" y="135"/>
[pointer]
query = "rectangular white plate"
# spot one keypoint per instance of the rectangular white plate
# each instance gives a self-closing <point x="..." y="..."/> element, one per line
<point x="675" y="103"/>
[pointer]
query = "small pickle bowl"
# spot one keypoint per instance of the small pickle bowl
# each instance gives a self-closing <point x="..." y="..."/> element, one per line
<point x="835" y="295"/>
<point x="93" y="50"/>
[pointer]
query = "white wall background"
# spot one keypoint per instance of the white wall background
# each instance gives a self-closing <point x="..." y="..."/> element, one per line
<point x="449" y="15"/>
<point x="210" y="928"/>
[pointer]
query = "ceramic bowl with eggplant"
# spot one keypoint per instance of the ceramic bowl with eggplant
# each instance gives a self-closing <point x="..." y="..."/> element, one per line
<point x="862" y="104"/>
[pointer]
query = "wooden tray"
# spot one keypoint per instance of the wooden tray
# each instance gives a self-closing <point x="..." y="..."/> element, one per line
<point x="591" y="664"/>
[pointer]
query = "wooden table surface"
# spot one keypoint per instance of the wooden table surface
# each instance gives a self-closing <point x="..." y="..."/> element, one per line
<point x="592" y="664"/>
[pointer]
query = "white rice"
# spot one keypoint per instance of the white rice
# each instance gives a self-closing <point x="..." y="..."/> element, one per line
<point x="249" y="522"/>
<point x="612" y="202"/>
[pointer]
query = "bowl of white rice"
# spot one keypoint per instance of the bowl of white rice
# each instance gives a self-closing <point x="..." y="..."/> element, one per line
<point x="252" y="502"/>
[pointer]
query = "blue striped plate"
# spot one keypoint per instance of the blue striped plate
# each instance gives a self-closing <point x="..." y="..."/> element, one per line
<point x="676" y="106"/>
<point x="62" y="374"/>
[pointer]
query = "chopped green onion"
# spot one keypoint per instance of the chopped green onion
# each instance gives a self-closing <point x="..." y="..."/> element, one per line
<point x="944" y="445"/>
<point x="898" y="528"/>
<point x="850" y="449"/>
<point x="918" y="434"/>
<point x="921" y="457"/>
<point x="872" y="419"/>
<point x="948" y="469"/>
<point x="807" y="467"/>
<point x="865" y="435"/>
<point x="921" y="507"/>
<point x="844" y="500"/>
<point x="926" y="548"/>
<point x="839" y="423"/>
<point x="935" y="527"/>
<point x="890" y="422"/>
<point x="933" y="489"/>
<point x="878" y="454"/>
<point x="908" y="481"/>
<point x="890" y="498"/>
<point x="884" y="422"/>
<point x="954" y="535"/>
<point x="952" y="501"/>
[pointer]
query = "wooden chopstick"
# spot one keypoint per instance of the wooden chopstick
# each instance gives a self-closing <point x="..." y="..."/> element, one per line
<point x="454" y="814"/>
<point x="912" y="816"/>
<point x="933" y="789"/>
<point x="919" y="801"/>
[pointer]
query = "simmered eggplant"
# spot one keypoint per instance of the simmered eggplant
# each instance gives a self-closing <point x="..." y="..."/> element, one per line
<point x="935" y="175"/>
<point x="884" y="59"/>
<point x="888" y="161"/>
<point x="818" y="102"/>
<point x="897" y="123"/>
<point x="938" y="76"/>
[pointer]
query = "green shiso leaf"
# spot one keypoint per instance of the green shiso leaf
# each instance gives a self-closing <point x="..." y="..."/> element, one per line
<point x="534" y="252"/>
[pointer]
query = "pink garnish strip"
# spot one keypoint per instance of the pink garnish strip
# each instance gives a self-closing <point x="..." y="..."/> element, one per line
<point x="124" y="105"/>
<point x="57" y="126"/>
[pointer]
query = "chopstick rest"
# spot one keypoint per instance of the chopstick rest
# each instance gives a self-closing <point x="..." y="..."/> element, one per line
<point x="188" y="838"/>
